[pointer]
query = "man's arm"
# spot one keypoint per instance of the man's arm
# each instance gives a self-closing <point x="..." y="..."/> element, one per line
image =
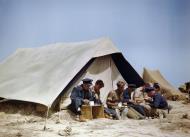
<point x="109" y="100"/>
<point x="156" y="102"/>
<point x="126" y="98"/>
<point x="75" y="94"/>
<point x="113" y="104"/>
<point x="138" y="100"/>
<point x="96" y="98"/>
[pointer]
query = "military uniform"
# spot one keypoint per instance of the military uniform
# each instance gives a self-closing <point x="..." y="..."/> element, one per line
<point x="158" y="101"/>
<point x="114" y="97"/>
<point x="138" y="97"/>
<point x="158" y="104"/>
<point x="77" y="97"/>
<point x="127" y="98"/>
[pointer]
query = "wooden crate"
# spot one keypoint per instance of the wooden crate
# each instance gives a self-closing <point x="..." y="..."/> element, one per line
<point x="98" y="111"/>
<point x="92" y="112"/>
<point x="86" y="112"/>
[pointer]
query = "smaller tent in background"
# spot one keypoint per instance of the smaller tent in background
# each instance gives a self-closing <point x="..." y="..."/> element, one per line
<point x="154" y="76"/>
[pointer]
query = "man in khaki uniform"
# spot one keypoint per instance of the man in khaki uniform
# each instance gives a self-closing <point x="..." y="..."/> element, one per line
<point x="117" y="107"/>
<point x="114" y="101"/>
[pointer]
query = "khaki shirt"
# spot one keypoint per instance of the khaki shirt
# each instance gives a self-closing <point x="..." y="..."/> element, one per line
<point x="138" y="96"/>
<point x="114" y="97"/>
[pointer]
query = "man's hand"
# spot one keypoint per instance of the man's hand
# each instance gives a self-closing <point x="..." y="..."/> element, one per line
<point x="125" y="104"/>
<point x="132" y="101"/>
<point x="148" y="99"/>
<point x="139" y="101"/>
<point x="116" y="104"/>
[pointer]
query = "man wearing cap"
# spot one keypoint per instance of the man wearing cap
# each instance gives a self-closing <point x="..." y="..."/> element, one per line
<point x="157" y="101"/>
<point x="129" y="99"/>
<point x="80" y="95"/>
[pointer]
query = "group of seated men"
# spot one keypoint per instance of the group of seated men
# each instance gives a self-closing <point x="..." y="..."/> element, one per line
<point x="131" y="102"/>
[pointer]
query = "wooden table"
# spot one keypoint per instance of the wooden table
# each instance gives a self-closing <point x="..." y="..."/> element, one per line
<point x="92" y="112"/>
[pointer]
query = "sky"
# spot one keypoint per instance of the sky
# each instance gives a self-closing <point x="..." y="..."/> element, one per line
<point x="150" y="33"/>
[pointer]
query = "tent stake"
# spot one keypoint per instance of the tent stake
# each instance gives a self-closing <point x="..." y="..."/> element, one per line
<point x="46" y="118"/>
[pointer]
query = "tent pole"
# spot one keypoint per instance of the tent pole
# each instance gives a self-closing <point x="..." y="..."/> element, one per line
<point x="46" y="118"/>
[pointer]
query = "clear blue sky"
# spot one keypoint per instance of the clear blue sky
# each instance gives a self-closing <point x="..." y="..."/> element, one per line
<point x="150" y="33"/>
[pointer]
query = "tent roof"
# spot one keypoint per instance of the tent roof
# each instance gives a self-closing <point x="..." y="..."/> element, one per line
<point x="155" y="76"/>
<point x="40" y="74"/>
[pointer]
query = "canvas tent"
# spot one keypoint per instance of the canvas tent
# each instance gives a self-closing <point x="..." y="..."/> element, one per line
<point x="41" y="75"/>
<point x="154" y="76"/>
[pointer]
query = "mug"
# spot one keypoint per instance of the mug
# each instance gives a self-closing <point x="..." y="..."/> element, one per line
<point x="91" y="103"/>
<point x="119" y="104"/>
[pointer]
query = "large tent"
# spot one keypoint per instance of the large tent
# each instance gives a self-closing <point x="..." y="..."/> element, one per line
<point x="154" y="76"/>
<point x="41" y="75"/>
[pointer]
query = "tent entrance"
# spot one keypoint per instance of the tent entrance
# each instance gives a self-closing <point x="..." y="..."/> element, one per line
<point x="102" y="68"/>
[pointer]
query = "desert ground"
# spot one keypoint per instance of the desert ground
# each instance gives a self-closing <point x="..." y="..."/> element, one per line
<point x="177" y="124"/>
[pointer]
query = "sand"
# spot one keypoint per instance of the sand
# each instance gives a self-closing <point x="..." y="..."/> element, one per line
<point x="177" y="124"/>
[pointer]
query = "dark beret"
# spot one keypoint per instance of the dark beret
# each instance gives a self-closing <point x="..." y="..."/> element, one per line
<point x="87" y="81"/>
<point x="149" y="89"/>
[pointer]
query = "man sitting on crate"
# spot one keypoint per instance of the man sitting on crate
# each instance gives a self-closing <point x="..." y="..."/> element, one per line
<point x="81" y="95"/>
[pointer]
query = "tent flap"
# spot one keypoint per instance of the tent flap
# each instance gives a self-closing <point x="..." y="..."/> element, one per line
<point x="127" y="71"/>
